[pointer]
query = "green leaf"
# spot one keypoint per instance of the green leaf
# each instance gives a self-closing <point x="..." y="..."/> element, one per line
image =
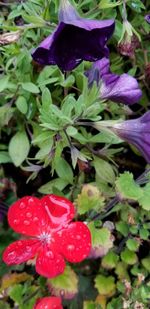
<point x="46" y="99"/>
<point x="19" y="147"/>
<point x="68" y="82"/>
<point x="89" y="198"/>
<point x="4" y="83"/>
<point x="132" y="244"/>
<point x="127" y="187"/>
<point x="101" y="239"/>
<point x="110" y="260"/>
<point x="6" y="113"/>
<point x="129" y="257"/>
<point x="146" y="262"/>
<point x="105" y="285"/>
<point x="65" y="285"/>
<point x="22" y="105"/>
<point x="30" y="87"/>
<point x="144" y="200"/>
<point x="4" y="157"/>
<point x="122" y="227"/>
<point x="104" y="170"/>
<point x="106" y="4"/>
<point x="57" y="183"/>
<point x="64" y="170"/>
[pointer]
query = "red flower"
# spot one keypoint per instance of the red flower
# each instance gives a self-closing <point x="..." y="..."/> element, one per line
<point x="53" y="237"/>
<point x="48" y="303"/>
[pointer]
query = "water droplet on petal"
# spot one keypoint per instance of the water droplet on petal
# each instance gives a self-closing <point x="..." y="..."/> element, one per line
<point x="28" y="214"/>
<point x="50" y="254"/>
<point x="28" y="248"/>
<point x="16" y="221"/>
<point x="78" y="237"/>
<point x="26" y="222"/>
<point x="19" y="243"/>
<point x="12" y="255"/>
<point x="70" y="247"/>
<point x="35" y="219"/>
<point x="30" y="200"/>
<point x="22" y="205"/>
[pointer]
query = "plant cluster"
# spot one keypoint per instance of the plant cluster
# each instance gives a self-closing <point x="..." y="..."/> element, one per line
<point x="74" y="154"/>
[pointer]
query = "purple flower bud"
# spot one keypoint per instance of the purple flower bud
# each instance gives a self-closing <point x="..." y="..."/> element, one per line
<point x="75" y="39"/>
<point x="118" y="88"/>
<point x="136" y="132"/>
<point x="147" y="18"/>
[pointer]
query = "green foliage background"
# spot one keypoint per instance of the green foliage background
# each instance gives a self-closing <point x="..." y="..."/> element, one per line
<point x="45" y="148"/>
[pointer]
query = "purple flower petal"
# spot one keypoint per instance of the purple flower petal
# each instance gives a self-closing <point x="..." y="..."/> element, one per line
<point x="118" y="88"/>
<point x="136" y="132"/>
<point x="75" y="39"/>
<point x="147" y="18"/>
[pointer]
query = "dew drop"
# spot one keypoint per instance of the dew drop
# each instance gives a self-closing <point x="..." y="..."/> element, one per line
<point x="26" y="222"/>
<point x="22" y="205"/>
<point x="35" y="219"/>
<point x="12" y="254"/>
<point x="70" y="247"/>
<point x="30" y="200"/>
<point x="28" y="248"/>
<point x="16" y="221"/>
<point x="28" y="214"/>
<point x="78" y="237"/>
<point x="19" y="243"/>
<point x="50" y="254"/>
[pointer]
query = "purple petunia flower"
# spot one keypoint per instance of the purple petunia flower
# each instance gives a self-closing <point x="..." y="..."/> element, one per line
<point x="147" y="18"/>
<point x="118" y="88"/>
<point x="75" y="39"/>
<point x="136" y="132"/>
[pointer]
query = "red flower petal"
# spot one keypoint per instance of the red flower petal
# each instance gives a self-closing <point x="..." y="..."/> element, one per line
<point x="27" y="216"/>
<point x="75" y="242"/>
<point x="49" y="264"/>
<point x="49" y="303"/>
<point x="21" y="251"/>
<point x="60" y="209"/>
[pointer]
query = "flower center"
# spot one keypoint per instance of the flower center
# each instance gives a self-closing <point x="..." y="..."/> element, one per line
<point x="45" y="238"/>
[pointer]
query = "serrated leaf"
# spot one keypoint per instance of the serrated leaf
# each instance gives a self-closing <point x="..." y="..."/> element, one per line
<point x="101" y="241"/>
<point x="105" y="285"/>
<point x="110" y="260"/>
<point x="127" y="187"/>
<point x="65" y="285"/>
<point x="19" y="147"/>
<point x="129" y="257"/>
<point x="30" y="87"/>
<point x="144" y="200"/>
<point x="89" y="198"/>
<point x="132" y="244"/>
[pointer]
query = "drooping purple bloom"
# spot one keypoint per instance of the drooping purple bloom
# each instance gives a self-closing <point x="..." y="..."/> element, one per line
<point x="75" y="39"/>
<point x="118" y="88"/>
<point x="147" y="18"/>
<point x="136" y="132"/>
